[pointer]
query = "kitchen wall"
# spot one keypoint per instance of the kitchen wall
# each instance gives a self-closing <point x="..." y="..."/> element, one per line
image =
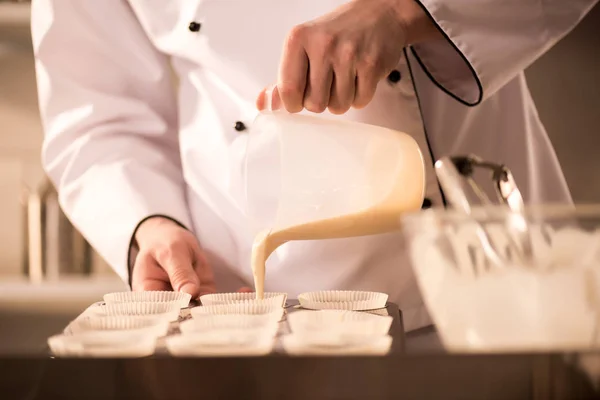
<point x="20" y="136"/>
<point x="565" y="83"/>
<point x="20" y="133"/>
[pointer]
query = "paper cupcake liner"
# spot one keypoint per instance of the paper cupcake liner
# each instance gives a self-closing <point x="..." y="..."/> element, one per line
<point x="256" y="307"/>
<point x="102" y="345"/>
<point x="343" y="300"/>
<point x="91" y="310"/>
<point x="189" y="329"/>
<point x="339" y="321"/>
<point x="203" y="322"/>
<point x="167" y="310"/>
<point x="137" y="324"/>
<point x="197" y="345"/>
<point x="148" y="297"/>
<point x="333" y="338"/>
<point x="231" y="298"/>
<point x="231" y="337"/>
<point x="296" y="345"/>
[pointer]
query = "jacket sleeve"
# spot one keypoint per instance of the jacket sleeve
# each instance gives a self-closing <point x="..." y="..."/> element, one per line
<point x="110" y="120"/>
<point x="488" y="42"/>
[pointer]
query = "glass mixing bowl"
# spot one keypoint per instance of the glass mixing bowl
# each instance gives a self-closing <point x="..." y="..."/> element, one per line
<point x="549" y="301"/>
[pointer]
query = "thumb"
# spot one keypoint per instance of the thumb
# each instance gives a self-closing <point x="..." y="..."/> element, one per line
<point x="179" y="267"/>
<point x="268" y="99"/>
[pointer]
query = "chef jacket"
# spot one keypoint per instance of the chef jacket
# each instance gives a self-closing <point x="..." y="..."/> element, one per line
<point x="147" y="106"/>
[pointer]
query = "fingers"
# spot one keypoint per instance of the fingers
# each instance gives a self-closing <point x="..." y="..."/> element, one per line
<point x="268" y="99"/>
<point x="148" y="275"/>
<point x="336" y="61"/>
<point x="293" y="71"/>
<point x="320" y="71"/>
<point x="306" y="74"/>
<point x="170" y="258"/>
<point x="368" y="75"/>
<point x="245" y="289"/>
<point x="177" y="260"/>
<point x="318" y="89"/>
<point x="153" y="285"/>
<point x="342" y="93"/>
<point x="176" y="267"/>
<point x="344" y="84"/>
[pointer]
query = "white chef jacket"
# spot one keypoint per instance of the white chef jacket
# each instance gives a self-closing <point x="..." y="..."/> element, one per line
<point x="124" y="142"/>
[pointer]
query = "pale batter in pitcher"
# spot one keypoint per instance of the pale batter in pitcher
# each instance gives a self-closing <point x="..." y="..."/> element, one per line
<point x="336" y="179"/>
<point x="375" y="220"/>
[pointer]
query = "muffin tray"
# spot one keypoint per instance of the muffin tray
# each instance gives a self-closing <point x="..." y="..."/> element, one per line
<point x="396" y="329"/>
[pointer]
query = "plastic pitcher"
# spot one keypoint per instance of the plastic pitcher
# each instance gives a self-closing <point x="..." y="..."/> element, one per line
<point x="303" y="169"/>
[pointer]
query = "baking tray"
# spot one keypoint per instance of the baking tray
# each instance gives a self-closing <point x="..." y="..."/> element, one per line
<point x="292" y="305"/>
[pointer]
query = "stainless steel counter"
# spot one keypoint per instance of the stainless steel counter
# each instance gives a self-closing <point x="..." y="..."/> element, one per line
<point x="409" y="376"/>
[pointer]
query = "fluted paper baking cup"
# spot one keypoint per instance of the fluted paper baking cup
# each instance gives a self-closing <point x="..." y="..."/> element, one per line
<point x="203" y="322"/>
<point x="231" y="298"/>
<point x="297" y="345"/>
<point x="197" y="345"/>
<point x="259" y="307"/>
<point x="335" y="338"/>
<point x="121" y="324"/>
<point x="95" y="344"/>
<point x="148" y="297"/>
<point x="339" y="320"/>
<point x="342" y="300"/>
<point x="189" y="328"/>
<point x="231" y="337"/>
<point x="167" y="310"/>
